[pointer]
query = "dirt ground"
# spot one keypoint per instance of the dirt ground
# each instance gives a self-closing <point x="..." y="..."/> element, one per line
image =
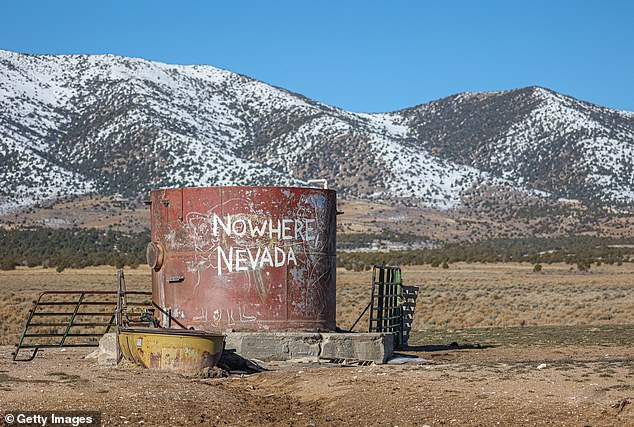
<point x="571" y="362"/>
<point x="463" y="384"/>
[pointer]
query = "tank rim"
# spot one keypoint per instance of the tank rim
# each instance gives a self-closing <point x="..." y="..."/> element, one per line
<point x="246" y="187"/>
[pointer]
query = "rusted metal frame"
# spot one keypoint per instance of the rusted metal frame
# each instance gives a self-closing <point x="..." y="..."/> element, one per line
<point x="394" y="321"/>
<point x="386" y="315"/>
<point x="396" y="311"/>
<point x="64" y="335"/>
<point x="380" y="302"/>
<point x="360" y="316"/>
<point x="394" y="303"/>
<point x="110" y="323"/>
<point x="32" y="313"/>
<point x="347" y="362"/>
<point x="387" y="307"/>
<point x="74" y="324"/>
<point x="81" y="313"/>
<point x="168" y="313"/>
<point x="400" y="301"/>
<point x="38" y="346"/>
<point x="387" y="303"/>
<point x="372" y="298"/>
<point x="72" y="318"/>
<point x="391" y="317"/>
<point x="387" y="325"/>
<point x="124" y="293"/>
<point x="118" y="315"/>
<point x="91" y="293"/>
<point x="75" y="302"/>
<point x="28" y="359"/>
<point x="392" y="300"/>
<point x="26" y="326"/>
<point x="76" y="312"/>
<point x="121" y="310"/>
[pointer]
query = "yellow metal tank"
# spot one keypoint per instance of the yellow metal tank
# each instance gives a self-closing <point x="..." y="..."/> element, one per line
<point x="184" y="351"/>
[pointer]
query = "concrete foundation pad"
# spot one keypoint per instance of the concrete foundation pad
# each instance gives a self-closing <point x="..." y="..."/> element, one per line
<point x="270" y="346"/>
<point x="376" y="347"/>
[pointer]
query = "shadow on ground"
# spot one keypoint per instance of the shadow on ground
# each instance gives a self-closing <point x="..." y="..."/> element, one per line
<point x="446" y="347"/>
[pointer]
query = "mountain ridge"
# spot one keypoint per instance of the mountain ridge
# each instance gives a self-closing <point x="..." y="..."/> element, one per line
<point x="112" y="125"/>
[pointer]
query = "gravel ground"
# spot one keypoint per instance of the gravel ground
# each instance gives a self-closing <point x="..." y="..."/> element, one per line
<point x="463" y="384"/>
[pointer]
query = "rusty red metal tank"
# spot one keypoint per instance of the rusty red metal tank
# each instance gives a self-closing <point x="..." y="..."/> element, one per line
<point x="245" y="258"/>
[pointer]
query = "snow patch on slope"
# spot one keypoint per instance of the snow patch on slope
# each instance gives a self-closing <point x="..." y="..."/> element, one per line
<point x="420" y="175"/>
<point x="32" y="179"/>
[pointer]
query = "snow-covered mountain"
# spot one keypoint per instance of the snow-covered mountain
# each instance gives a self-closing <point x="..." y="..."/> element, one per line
<point x="79" y="124"/>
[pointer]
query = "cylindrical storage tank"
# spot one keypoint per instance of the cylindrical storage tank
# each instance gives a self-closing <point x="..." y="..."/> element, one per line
<point x="245" y="258"/>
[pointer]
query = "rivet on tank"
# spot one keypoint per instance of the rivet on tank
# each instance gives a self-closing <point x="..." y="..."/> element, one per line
<point x="245" y="258"/>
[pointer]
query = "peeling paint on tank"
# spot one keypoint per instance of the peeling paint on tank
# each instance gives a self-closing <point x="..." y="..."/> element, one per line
<point x="252" y="257"/>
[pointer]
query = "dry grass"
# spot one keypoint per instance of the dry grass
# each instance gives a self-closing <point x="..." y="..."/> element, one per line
<point x="19" y="288"/>
<point x="464" y="296"/>
<point x="501" y="295"/>
<point x="102" y="212"/>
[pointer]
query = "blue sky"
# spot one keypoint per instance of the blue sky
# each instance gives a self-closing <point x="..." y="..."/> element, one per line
<point x="359" y="55"/>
